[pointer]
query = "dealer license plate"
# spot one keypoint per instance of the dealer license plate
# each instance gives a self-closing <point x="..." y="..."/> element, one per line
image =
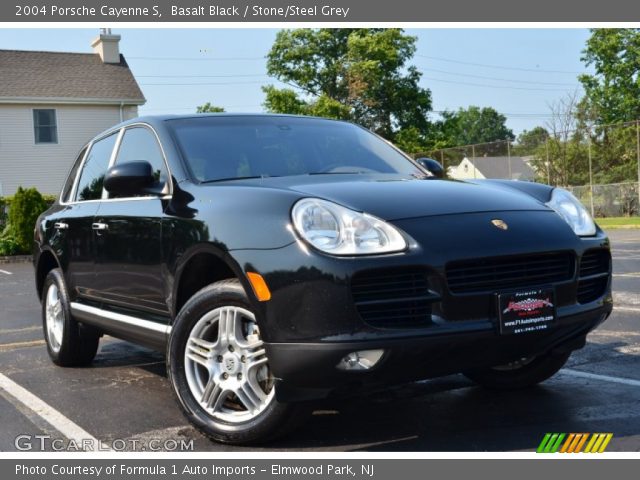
<point x="526" y="311"/>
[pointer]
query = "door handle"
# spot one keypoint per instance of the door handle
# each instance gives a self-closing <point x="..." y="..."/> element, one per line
<point x="60" y="226"/>
<point x="100" y="226"/>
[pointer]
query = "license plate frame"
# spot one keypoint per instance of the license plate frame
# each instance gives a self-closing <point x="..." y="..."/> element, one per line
<point x="526" y="311"/>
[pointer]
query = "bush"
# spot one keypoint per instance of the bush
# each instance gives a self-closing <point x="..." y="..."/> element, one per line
<point x="4" y="206"/>
<point x="26" y="207"/>
<point x="8" y="246"/>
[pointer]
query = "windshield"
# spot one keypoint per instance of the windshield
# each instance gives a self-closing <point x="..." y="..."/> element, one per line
<point x="227" y="147"/>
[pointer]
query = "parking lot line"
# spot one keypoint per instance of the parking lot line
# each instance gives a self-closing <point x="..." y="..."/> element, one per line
<point x="627" y="309"/>
<point x="52" y="416"/>
<point x="5" y="272"/>
<point x="603" y="378"/>
<point x="12" y="346"/>
<point x="630" y="274"/>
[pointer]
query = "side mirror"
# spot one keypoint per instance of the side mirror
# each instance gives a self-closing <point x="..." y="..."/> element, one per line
<point x="130" y="178"/>
<point x="432" y="166"/>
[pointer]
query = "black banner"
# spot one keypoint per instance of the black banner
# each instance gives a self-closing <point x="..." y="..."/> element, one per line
<point x="332" y="11"/>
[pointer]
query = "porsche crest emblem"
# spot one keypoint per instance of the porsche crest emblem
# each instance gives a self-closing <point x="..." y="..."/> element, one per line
<point x="501" y="224"/>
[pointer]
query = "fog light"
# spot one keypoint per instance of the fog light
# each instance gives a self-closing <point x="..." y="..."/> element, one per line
<point x="362" y="360"/>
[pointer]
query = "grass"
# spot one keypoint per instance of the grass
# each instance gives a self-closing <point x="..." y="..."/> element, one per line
<point x="618" y="222"/>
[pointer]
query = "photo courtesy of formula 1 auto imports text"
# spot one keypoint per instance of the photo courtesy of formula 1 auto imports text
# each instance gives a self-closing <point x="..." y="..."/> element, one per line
<point x="337" y="239"/>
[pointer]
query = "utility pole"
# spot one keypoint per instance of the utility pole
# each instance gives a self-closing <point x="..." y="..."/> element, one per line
<point x="548" y="163"/>
<point x="590" y="174"/>
<point x="473" y="159"/>
<point x="638" y="155"/>
<point x="509" y="157"/>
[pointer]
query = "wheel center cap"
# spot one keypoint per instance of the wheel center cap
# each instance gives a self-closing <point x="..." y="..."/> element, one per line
<point x="231" y="363"/>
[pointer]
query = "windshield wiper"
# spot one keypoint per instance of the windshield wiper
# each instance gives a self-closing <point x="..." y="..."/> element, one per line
<point x="249" y="177"/>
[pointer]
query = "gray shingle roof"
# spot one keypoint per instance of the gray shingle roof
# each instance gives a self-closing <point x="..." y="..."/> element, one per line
<point x="72" y="76"/>
<point x="498" y="167"/>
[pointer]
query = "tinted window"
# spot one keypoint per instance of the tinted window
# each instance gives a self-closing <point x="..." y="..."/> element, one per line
<point x="94" y="169"/>
<point x="231" y="147"/>
<point x="140" y="144"/>
<point x="68" y="186"/>
<point x="45" y="126"/>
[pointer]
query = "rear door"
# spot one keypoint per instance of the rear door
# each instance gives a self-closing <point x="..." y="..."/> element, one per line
<point x="73" y="235"/>
<point x="129" y="266"/>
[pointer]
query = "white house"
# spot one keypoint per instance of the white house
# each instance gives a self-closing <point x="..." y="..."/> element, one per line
<point x="52" y="103"/>
<point x="511" y="168"/>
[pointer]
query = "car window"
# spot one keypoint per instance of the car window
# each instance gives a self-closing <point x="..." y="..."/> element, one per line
<point x="68" y="186"/>
<point x="233" y="147"/>
<point x="140" y="144"/>
<point x="94" y="169"/>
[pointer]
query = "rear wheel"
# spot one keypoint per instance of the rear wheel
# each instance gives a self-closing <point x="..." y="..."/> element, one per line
<point x="69" y="343"/>
<point x="522" y="373"/>
<point x="219" y="369"/>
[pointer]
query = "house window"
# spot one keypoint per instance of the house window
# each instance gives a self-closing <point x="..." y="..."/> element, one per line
<point x="45" y="126"/>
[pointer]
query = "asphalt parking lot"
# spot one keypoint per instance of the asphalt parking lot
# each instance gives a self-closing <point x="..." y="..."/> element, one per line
<point x="124" y="400"/>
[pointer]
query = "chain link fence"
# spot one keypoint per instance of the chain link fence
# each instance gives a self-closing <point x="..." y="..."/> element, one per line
<point x="600" y="164"/>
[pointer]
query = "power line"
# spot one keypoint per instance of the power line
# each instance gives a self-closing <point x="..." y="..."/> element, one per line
<point x="500" y="79"/>
<point x="199" y="84"/>
<point x="502" y="87"/>
<point x="198" y="59"/>
<point x="500" y="67"/>
<point x="234" y="75"/>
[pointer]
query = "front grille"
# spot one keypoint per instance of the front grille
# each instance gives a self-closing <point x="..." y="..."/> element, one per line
<point x="494" y="274"/>
<point x="393" y="298"/>
<point x="594" y="275"/>
<point x="595" y="262"/>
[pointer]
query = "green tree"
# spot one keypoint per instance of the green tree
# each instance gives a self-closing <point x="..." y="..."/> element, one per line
<point x="613" y="91"/>
<point x="529" y="142"/>
<point x="208" y="108"/>
<point x="362" y="75"/>
<point x="474" y="125"/>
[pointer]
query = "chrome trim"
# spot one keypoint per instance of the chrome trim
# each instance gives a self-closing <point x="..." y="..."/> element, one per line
<point x="84" y="160"/>
<point x="137" y="330"/>
<point x="112" y="160"/>
<point x="99" y="226"/>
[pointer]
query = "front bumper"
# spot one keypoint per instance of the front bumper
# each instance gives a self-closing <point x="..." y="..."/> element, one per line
<point x="308" y="371"/>
<point x="312" y="320"/>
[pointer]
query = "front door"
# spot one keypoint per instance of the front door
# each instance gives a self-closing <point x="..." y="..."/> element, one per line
<point x="128" y="235"/>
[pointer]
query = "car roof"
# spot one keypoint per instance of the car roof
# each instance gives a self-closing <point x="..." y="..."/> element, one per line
<point x="155" y="119"/>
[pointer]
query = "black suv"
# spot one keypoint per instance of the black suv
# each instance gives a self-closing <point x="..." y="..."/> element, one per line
<point x="282" y="259"/>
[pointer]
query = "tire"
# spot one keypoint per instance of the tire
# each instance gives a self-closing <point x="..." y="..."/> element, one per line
<point x="69" y="343"/>
<point x="518" y="375"/>
<point x="215" y="376"/>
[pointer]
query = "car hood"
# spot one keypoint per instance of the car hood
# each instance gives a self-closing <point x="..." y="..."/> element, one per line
<point x="394" y="198"/>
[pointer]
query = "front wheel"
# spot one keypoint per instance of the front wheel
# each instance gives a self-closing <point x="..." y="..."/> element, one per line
<point x="522" y="373"/>
<point x="219" y="369"/>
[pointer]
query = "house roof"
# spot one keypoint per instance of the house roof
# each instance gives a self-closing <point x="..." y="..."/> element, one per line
<point x="65" y="77"/>
<point x="498" y="167"/>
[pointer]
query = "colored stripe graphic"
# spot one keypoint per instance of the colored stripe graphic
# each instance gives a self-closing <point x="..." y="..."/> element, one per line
<point x="545" y="439"/>
<point x="606" y="441"/>
<point x="578" y="448"/>
<point x="574" y="443"/>
<point x="567" y="445"/>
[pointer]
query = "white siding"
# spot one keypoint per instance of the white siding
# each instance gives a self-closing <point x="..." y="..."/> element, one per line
<point x="45" y="166"/>
<point x="466" y="170"/>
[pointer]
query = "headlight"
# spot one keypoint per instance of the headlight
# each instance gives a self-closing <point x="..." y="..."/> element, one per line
<point x="573" y="212"/>
<point x="337" y="230"/>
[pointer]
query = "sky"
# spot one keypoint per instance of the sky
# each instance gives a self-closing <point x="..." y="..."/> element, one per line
<point x="519" y="72"/>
